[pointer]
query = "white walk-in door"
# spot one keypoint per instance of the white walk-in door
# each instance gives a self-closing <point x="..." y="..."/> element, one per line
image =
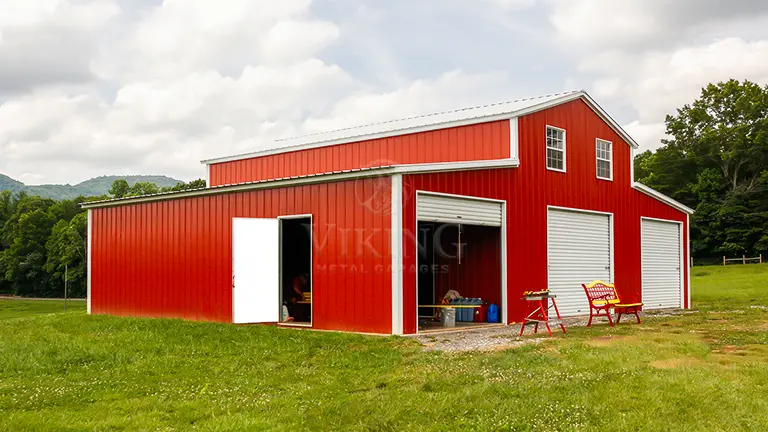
<point x="256" y="271"/>
<point x="661" y="261"/>
<point x="458" y="210"/>
<point x="579" y="252"/>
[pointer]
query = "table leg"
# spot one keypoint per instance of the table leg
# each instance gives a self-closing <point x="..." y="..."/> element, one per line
<point x="559" y="318"/>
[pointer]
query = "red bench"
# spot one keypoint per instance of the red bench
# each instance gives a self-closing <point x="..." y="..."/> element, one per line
<point x="603" y="297"/>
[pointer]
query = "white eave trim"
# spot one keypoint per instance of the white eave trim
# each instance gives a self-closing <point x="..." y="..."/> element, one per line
<point x="661" y="197"/>
<point x="568" y="97"/>
<point x="311" y="179"/>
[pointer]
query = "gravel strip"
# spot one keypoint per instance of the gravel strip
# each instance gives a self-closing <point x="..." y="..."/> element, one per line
<point x="501" y="338"/>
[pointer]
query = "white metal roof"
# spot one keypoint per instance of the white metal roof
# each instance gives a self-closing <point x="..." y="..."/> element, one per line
<point x="442" y="120"/>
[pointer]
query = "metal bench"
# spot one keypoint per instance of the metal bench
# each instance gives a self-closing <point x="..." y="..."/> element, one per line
<point x="603" y="297"/>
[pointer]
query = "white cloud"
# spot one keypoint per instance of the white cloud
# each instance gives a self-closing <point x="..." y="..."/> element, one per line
<point x="633" y="25"/>
<point x="88" y="88"/>
<point x="655" y="83"/>
<point x="512" y="4"/>
<point x="48" y="42"/>
<point x="451" y="90"/>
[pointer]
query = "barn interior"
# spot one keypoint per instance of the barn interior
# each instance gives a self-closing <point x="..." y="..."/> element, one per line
<point x="461" y="258"/>
<point x="296" y="271"/>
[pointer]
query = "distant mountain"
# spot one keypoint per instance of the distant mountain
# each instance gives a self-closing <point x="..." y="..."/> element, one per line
<point x="93" y="187"/>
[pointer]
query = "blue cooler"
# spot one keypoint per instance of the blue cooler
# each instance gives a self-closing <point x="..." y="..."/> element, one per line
<point x="493" y="313"/>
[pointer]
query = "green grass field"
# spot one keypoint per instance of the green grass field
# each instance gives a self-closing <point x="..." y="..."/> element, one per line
<point x="697" y="371"/>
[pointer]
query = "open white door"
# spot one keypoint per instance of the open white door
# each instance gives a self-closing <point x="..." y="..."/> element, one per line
<point x="256" y="271"/>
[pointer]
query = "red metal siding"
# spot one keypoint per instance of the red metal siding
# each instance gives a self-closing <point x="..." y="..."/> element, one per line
<point x="530" y="188"/>
<point x="173" y="259"/>
<point x="475" y="142"/>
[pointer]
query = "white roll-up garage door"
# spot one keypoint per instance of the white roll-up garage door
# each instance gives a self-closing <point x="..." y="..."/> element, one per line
<point x="458" y="210"/>
<point x="661" y="261"/>
<point x="579" y="252"/>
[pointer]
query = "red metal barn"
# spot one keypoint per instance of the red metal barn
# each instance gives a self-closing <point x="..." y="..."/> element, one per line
<point x="353" y="230"/>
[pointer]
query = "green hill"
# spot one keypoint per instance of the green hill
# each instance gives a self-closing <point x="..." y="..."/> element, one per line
<point x="7" y="183"/>
<point x="93" y="187"/>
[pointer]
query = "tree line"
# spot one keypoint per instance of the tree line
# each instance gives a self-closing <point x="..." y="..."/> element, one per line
<point x="42" y="240"/>
<point x="716" y="162"/>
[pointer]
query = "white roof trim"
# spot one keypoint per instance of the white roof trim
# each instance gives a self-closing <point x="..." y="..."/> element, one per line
<point x="431" y="122"/>
<point x="309" y="179"/>
<point x="661" y="197"/>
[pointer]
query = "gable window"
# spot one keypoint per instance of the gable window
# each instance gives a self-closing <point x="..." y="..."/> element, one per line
<point x="555" y="149"/>
<point x="604" y="159"/>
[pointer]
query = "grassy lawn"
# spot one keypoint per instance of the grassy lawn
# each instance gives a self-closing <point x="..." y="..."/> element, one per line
<point x="696" y="371"/>
<point x="20" y="308"/>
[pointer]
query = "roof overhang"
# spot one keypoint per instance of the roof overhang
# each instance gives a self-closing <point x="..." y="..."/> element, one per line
<point x="351" y="135"/>
<point x="661" y="197"/>
<point x="384" y="171"/>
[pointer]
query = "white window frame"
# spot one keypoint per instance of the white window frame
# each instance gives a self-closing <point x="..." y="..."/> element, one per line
<point x="598" y="158"/>
<point x="564" y="150"/>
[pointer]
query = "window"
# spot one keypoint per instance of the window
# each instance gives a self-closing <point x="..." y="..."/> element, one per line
<point x="604" y="159"/>
<point x="555" y="149"/>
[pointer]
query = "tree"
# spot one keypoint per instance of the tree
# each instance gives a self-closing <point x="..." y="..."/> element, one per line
<point x="26" y="234"/>
<point x="66" y="255"/>
<point x="143" y="188"/>
<point x="120" y="188"/>
<point x="194" y="184"/>
<point x="41" y="239"/>
<point x="716" y="161"/>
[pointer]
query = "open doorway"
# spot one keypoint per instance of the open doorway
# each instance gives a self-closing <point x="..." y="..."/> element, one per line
<point x="296" y="270"/>
<point x="465" y="259"/>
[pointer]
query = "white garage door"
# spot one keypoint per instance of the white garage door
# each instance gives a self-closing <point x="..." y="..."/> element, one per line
<point x="458" y="210"/>
<point x="579" y="249"/>
<point x="661" y="264"/>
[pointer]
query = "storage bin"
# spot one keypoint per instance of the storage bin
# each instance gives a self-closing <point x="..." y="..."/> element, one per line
<point x="448" y="317"/>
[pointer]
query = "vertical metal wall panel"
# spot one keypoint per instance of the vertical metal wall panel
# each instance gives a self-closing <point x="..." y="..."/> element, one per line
<point x="474" y="142"/>
<point x="174" y="258"/>
<point x="530" y="188"/>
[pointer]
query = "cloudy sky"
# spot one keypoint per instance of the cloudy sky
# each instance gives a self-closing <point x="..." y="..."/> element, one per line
<point x="96" y="87"/>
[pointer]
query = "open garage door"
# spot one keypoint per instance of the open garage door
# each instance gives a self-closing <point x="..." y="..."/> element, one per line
<point x="662" y="264"/>
<point x="458" y="210"/>
<point x="579" y="251"/>
<point x="461" y="247"/>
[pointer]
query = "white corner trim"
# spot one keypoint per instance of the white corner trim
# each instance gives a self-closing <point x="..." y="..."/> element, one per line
<point x="514" y="138"/>
<point x="89" y="254"/>
<point x="397" y="254"/>
<point x="688" y="267"/>
<point x="661" y="197"/>
<point x="208" y="175"/>
<point x="504" y="269"/>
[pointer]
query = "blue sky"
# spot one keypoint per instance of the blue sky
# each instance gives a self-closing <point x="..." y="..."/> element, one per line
<point x="96" y="87"/>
